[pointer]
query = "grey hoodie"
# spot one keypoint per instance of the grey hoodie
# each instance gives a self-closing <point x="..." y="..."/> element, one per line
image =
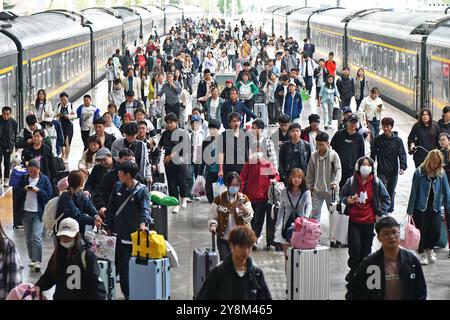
<point x="323" y="171"/>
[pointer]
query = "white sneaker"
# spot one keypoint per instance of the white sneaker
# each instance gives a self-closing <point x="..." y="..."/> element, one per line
<point x="31" y="264"/>
<point x="423" y="259"/>
<point x="184" y="203"/>
<point x="37" y="266"/>
<point x="176" y="209"/>
<point x="431" y="256"/>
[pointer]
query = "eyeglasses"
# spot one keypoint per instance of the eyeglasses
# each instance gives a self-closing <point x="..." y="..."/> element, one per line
<point x="394" y="234"/>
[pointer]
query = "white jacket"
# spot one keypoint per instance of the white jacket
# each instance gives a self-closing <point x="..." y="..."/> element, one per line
<point x="304" y="64"/>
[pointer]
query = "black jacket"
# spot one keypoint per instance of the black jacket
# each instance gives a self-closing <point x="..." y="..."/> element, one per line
<point x="290" y="159"/>
<point x="425" y="137"/>
<point x="48" y="163"/>
<point x="223" y="283"/>
<point x="388" y="152"/>
<point x="349" y="148"/>
<point x="346" y="87"/>
<point x="91" y="285"/>
<point x="225" y="94"/>
<point x="325" y="75"/>
<point x="264" y="77"/>
<point x="11" y="132"/>
<point x="202" y="88"/>
<point x="109" y="139"/>
<point x="443" y="127"/>
<point x="94" y="186"/>
<point x="412" y="279"/>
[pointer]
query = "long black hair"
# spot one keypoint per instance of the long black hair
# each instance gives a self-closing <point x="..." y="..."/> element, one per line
<point x="330" y="85"/>
<point x="37" y="98"/>
<point x="61" y="254"/>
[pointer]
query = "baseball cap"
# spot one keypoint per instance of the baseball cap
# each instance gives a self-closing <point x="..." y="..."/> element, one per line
<point x="102" y="154"/>
<point x="34" y="163"/>
<point x="196" y="118"/>
<point x="353" y="117"/>
<point x="314" y="118"/>
<point x="347" y="110"/>
<point x="229" y="81"/>
<point x="293" y="84"/>
<point x="68" y="227"/>
<point x="48" y="116"/>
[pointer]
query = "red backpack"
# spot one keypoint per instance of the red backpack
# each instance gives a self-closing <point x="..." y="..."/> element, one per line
<point x="142" y="61"/>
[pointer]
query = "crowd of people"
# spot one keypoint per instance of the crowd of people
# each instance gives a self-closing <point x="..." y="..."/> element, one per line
<point x="147" y="122"/>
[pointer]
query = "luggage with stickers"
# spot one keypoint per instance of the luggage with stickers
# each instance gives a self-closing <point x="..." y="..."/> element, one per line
<point x="108" y="276"/>
<point x="205" y="260"/>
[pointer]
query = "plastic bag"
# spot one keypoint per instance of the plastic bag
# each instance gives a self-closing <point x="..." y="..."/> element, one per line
<point x="218" y="187"/>
<point x="304" y="94"/>
<point x="198" y="189"/>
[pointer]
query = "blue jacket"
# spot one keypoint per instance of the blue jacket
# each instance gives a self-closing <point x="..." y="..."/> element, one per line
<point x="420" y="190"/>
<point x="43" y="195"/>
<point x="135" y="212"/>
<point x="293" y="105"/>
<point x="78" y="207"/>
<point x="80" y="110"/>
<point x="240" y="108"/>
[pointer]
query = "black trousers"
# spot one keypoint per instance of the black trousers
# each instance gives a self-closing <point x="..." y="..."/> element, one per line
<point x="273" y="113"/>
<point x="176" y="179"/>
<point x="67" y="129"/>
<point x="6" y="155"/>
<point x="210" y="179"/>
<point x="390" y="182"/>
<point x="308" y="83"/>
<point x="85" y="138"/>
<point x="250" y="104"/>
<point x="123" y="255"/>
<point x="175" y="108"/>
<point x="429" y="224"/>
<point x="223" y="247"/>
<point x="358" y="102"/>
<point x="360" y="238"/>
<point x="189" y="179"/>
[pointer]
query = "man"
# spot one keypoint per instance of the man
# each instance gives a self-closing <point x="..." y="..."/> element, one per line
<point x="104" y="165"/>
<point x="293" y="103"/>
<point x="310" y="133"/>
<point x="294" y="154"/>
<point x="66" y="114"/>
<point x="330" y="64"/>
<point x="346" y="113"/>
<point x="204" y="87"/>
<point x="309" y="48"/>
<point x="168" y="64"/>
<point x="87" y="113"/>
<point x="251" y="71"/>
<point x="320" y="74"/>
<point x="8" y="133"/>
<point x="132" y="83"/>
<point x="174" y="165"/>
<point x="178" y="62"/>
<point x="290" y="60"/>
<point x="282" y="134"/>
<point x="391" y="273"/>
<point x="234" y="105"/>
<point x="118" y="56"/>
<point x="225" y="94"/>
<point x="138" y="147"/>
<point x="346" y="87"/>
<point x="154" y="154"/>
<point x="25" y="137"/>
<point x="105" y="138"/>
<point x="323" y="175"/>
<point x="294" y="78"/>
<point x="307" y="67"/>
<point x="281" y="92"/>
<point x="265" y="144"/>
<point x="130" y="105"/>
<point x="117" y="95"/>
<point x="265" y="75"/>
<point x="128" y="211"/>
<point x="389" y="151"/>
<point x="172" y="91"/>
<point x="444" y="123"/>
<point x="349" y="145"/>
<point x="280" y="64"/>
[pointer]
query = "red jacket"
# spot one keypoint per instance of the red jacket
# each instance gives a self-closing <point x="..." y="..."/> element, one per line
<point x="305" y="134"/>
<point x="331" y="67"/>
<point x="362" y="211"/>
<point x="256" y="178"/>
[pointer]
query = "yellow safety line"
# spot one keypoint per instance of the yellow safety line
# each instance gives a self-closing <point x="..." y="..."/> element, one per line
<point x="328" y="31"/>
<point x="383" y="45"/>
<point x="6" y="70"/>
<point x="440" y="59"/>
<point x="440" y="103"/>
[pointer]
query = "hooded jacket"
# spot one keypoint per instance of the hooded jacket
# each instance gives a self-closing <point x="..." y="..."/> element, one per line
<point x="11" y="132"/>
<point x="293" y="105"/>
<point x="389" y="151"/>
<point x="346" y="87"/>
<point x="443" y="127"/>
<point x="349" y="148"/>
<point x="223" y="283"/>
<point x="411" y="276"/>
<point x="78" y="207"/>
<point x="330" y="165"/>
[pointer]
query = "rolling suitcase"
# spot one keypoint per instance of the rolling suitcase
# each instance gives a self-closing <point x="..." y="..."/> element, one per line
<point x="161" y="187"/>
<point x="108" y="276"/>
<point x="160" y="218"/>
<point x="308" y="274"/>
<point x="149" y="279"/>
<point x="204" y="261"/>
<point x="261" y="112"/>
<point x="17" y="214"/>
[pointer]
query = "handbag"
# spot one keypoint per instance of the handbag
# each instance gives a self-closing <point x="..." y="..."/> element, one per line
<point x="306" y="233"/>
<point x="409" y="234"/>
<point x="104" y="246"/>
<point x="305" y="95"/>
<point x="335" y="113"/>
<point x="148" y="245"/>
<point x="198" y="189"/>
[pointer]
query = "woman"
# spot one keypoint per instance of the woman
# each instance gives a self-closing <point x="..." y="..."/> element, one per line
<point x="237" y="278"/>
<point x="256" y="176"/>
<point x="213" y="105"/>
<point x="73" y="268"/>
<point x="444" y="143"/>
<point x="43" y="153"/>
<point x="429" y="191"/>
<point x="366" y="201"/>
<point x="145" y="83"/>
<point x="112" y="109"/>
<point x="227" y="210"/>
<point x="87" y="161"/>
<point x="361" y="87"/>
<point x="372" y="106"/>
<point x="188" y="73"/>
<point x="424" y="137"/>
<point x="167" y="47"/>
<point x="210" y="63"/>
<point x="9" y="265"/>
<point x="269" y="90"/>
<point x="127" y="118"/>
<point x="327" y="97"/>
<point x="75" y="204"/>
<point x="32" y="193"/>
<point x="223" y="62"/>
<point x="247" y="90"/>
<point x="42" y="105"/>
<point x="295" y="201"/>
<point x="110" y="128"/>
<point x="111" y="73"/>
<point x="127" y="62"/>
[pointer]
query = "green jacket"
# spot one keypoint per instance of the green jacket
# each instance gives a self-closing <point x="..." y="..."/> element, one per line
<point x="253" y="89"/>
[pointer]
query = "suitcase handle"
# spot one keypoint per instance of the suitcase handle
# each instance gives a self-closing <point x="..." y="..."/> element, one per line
<point x="213" y="238"/>
<point x="139" y="243"/>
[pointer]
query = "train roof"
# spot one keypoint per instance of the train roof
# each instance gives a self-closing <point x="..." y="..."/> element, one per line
<point x="172" y="8"/>
<point x="332" y="17"/>
<point x="284" y="10"/>
<point x="127" y="14"/>
<point x="273" y="9"/>
<point x="440" y="37"/>
<point x="8" y="47"/>
<point x="44" y="27"/>
<point x="102" y="20"/>
<point x="144" y="12"/>
<point x="303" y="13"/>
<point x="155" y="9"/>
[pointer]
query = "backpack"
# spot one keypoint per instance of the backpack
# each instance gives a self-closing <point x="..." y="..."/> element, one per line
<point x="245" y="91"/>
<point x="49" y="218"/>
<point x="288" y="226"/>
<point x="142" y="61"/>
<point x="306" y="233"/>
<point x="274" y="193"/>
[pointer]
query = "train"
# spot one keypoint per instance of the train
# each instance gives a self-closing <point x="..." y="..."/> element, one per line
<point x="62" y="50"/>
<point x="405" y="54"/>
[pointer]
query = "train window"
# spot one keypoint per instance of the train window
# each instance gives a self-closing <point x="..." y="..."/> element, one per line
<point x="49" y="73"/>
<point x="385" y="62"/>
<point x="402" y="68"/>
<point x="63" y="67"/>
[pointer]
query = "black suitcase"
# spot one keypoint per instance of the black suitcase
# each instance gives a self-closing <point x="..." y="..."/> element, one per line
<point x="160" y="220"/>
<point x="17" y="214"/>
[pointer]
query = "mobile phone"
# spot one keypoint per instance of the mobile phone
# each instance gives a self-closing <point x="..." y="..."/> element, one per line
<point x="29" y="188"/>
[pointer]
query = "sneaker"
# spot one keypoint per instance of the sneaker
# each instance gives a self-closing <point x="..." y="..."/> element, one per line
<point x="423" y="259"/>
<point x="32" y="264"/>
<point x="176" y="209"/>
<point x="197" y="199"/>
<point x="37" y="266"/>
<point x="431" y="256"/>
<point x="184" y="203"/>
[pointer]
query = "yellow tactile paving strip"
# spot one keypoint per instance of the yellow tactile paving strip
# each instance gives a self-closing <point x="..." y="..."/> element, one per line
<point x="6" y="216"/>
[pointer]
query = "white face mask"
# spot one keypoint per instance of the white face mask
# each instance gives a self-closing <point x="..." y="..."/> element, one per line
<point x="365" y="170"/>
<point x="69" y="244"/>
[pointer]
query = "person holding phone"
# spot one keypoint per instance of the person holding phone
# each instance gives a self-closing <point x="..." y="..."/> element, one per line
<point x="372" y="106"/>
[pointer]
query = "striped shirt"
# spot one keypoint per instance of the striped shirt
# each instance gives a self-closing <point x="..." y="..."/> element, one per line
<point x="10" y="269"/>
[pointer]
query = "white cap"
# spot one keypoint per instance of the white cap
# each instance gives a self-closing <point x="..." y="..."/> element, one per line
<point x="68" y="227"/>
<point x="48" y="116"/>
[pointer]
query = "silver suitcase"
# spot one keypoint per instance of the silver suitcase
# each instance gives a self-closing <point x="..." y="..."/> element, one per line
<point x="261" y="112"/>
<point x="308" y="274"/>
<point x="205" y="260"/>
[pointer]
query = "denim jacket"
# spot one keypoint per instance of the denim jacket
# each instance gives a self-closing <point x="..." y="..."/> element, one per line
<point x="420" y="190"/>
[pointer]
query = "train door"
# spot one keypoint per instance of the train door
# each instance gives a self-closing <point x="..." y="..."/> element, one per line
<point x="30" y="88"/>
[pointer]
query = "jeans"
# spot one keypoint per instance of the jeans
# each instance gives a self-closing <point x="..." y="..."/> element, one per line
<point x="360" y="238"/>
<point x="189" y="179"/>
<point x="5" y="154"/>
<point x="261" y="210"/>
<point x="223" y="247"/>
<point x="390" y="182"/>
<point x="273" y="113"/>
<point x="33" y="227"/>
<point x="123" y="255"/>
<point x="328" y="112"/>
<point x="232" y="61"/>
<point x="110" y="84"/>
<point x="317" y="202"/>
<point x="374" y="128"/>
<point x="308" y="83"/>
<point x="176" y="179"/>
<point x="174" y="108"/>
<point x="429" y="224"/>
